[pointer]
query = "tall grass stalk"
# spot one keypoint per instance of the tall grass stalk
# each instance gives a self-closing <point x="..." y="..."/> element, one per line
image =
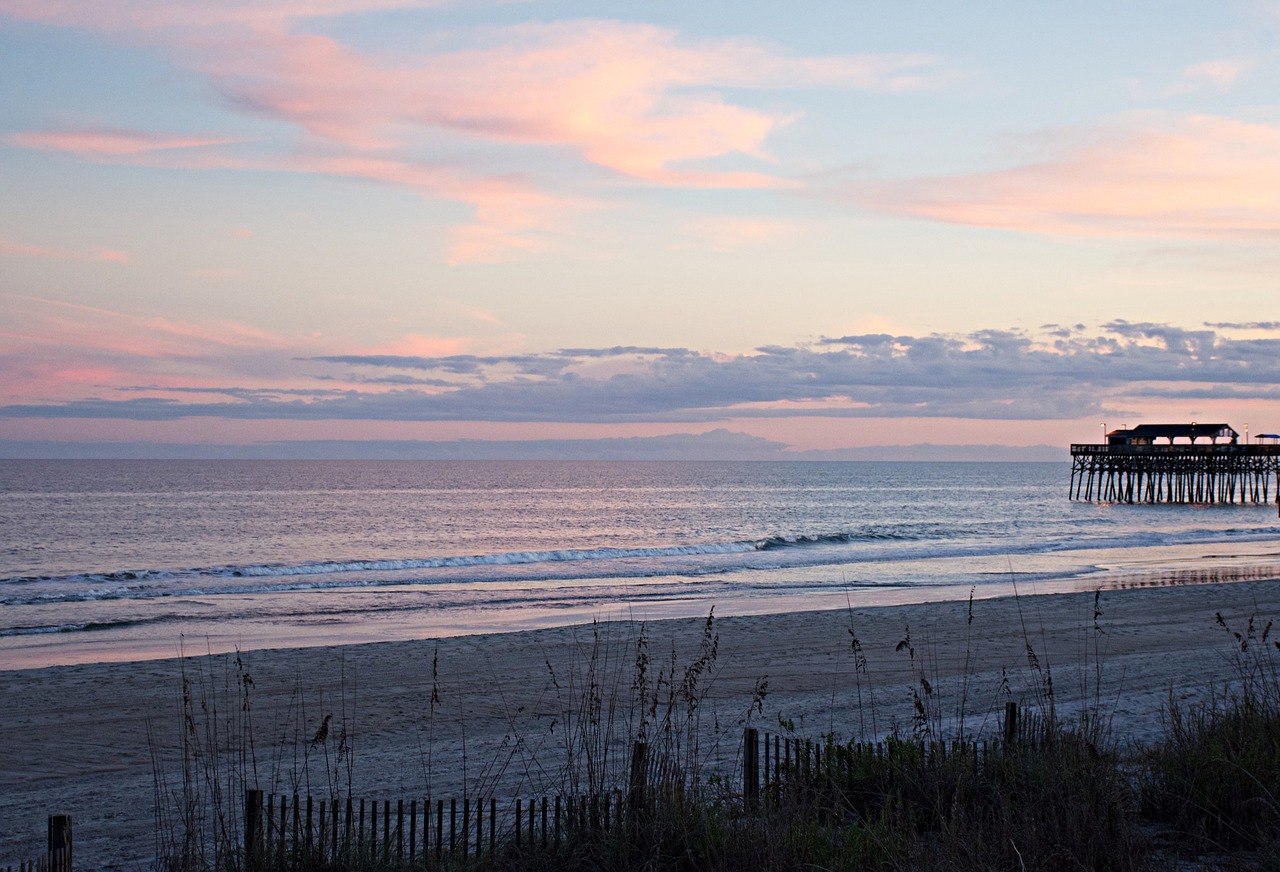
<point x="1215" y="779"/>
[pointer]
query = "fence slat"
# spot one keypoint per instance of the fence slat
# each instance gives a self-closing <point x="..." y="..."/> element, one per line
<point x="284" y="819"/>
<point x="253" y="828"/>
<point x="439" y="827"/>
<point x="60" y="843"/>
<point x="413" y="830"/>
<point x="322" y="832"/>
<point x="751" y="766"/>
<point x="453" y="826"/>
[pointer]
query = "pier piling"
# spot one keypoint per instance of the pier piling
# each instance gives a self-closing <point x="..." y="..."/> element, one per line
<point x="1192" y="474"/>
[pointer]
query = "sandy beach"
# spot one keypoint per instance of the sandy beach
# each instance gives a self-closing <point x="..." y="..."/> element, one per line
<point x="75" y="738"/>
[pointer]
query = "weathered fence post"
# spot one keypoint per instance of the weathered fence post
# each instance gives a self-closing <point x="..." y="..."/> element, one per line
<point x="60" y="843"/>
<point x="1010" y="724"/>
<point x="439" y="828"/>
<point x="453" y="826"/>
<point x="253" y="852"/>
<point x="751" y="766"/>
<point x="639" y="775"/>
<point x="297" y="824"/>
<point x="413" y="831"/>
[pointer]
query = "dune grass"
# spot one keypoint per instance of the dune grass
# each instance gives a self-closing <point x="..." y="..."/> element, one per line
<point x="1042" y="793"/>
<point x="1214" y="780"/>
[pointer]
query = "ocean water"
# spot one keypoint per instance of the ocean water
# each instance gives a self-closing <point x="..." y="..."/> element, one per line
<point x="113" y="560"/>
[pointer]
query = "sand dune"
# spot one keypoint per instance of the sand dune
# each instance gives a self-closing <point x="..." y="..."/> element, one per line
<point x="75" y="739"/>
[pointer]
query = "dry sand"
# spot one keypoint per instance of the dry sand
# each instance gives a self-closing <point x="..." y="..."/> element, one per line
<point x="75" y="739"/>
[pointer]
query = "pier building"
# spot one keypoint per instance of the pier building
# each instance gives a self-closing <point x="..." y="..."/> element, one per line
<point x="1176" y="463"/>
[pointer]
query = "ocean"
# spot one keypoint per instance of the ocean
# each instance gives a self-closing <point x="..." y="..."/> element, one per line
<point x="122" y="560"/>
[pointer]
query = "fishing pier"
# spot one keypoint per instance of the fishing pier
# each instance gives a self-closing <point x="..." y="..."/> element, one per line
<point x="1210" y="467"/>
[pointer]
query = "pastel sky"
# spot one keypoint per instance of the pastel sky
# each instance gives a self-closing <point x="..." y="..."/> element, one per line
<point x="827" y="225"/>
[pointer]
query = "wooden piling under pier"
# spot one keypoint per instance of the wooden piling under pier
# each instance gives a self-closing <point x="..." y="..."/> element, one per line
<point x="1190" y="474"/>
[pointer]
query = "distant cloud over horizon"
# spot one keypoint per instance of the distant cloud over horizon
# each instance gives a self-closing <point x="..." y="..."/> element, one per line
<point x="1060" y="373"/>
<point x="715" y="445"/>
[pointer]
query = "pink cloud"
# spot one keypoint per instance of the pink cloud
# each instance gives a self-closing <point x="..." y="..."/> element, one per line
<point x="1192" y="177"/>
<point x="1221" y="73"/>
<point x="628" y="97"/>
<point x="633" y="98"/>
<point x="74" y="325"/>
<point x="415" y="345"/>
<point x="638" y="101"/>
<point x="724" y="234"/>
<point x="484" y="316"/>
<point x="509" y="212"/>
<point x="144" y="15"/>
<point x="111" y="143"/>
<point x="52" y="349"/>
<point x="24" y="249"/>
<point x="1218" y="74"/>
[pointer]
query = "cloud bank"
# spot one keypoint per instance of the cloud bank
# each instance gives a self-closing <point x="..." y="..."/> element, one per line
<point x="1059" y="373"/>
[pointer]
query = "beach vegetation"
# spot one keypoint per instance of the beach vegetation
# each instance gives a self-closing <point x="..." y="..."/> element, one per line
<point x="630" y="740"/>
<point x="1214" y="780"/>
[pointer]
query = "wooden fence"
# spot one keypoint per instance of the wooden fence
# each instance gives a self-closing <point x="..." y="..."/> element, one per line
<point x="289" y="830"/>
<point x="283" y="831"/>
<point x="57" y="857"/>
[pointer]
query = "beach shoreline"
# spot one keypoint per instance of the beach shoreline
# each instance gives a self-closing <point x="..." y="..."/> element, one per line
<point x="405" y="613"/>
<point x="76" y="737"/>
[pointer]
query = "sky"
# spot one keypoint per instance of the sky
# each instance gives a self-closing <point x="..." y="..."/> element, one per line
<point x="766" y="229"/>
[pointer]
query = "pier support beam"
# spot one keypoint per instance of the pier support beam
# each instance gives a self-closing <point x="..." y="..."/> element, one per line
<point x="1191" y="474"/>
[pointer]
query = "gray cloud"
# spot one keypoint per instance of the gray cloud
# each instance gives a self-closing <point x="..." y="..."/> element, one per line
<point x="1243" y="325"/>
<point x="236" y="392"/>
<point x="1060" y="373"/>
<point x="459" y="364"/>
